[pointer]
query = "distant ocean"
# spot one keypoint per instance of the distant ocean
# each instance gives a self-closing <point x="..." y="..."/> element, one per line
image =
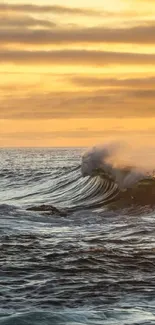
<point x="77" y="245"/>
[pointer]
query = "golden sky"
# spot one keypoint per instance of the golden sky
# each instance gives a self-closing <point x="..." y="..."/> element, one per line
<point x="75" y="73"/>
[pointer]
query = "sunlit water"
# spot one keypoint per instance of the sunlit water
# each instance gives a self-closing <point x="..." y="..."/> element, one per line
<point x="93" y="266"/>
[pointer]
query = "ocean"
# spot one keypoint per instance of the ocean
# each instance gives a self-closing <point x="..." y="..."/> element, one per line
<point x="75" y="248"/>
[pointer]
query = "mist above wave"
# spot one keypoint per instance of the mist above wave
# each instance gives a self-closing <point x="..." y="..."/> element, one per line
<point x="122" y="163"/>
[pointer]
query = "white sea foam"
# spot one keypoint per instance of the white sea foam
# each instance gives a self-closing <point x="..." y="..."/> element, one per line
<point x="124" y="164"/>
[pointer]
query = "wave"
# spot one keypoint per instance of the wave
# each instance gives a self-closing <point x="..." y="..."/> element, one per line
<point x="103" y="179"/>
<point x="99" y="182"/>
<point x="135" y="185"/>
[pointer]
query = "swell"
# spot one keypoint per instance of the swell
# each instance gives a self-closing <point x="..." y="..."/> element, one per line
<point x="73" y="192"/>
<point x="101" y="191"/>
<point x="65" y="188"/>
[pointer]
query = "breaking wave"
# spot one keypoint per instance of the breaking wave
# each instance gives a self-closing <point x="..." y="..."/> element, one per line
<point x="128" y="182"/>
<point x="105" y="178"/>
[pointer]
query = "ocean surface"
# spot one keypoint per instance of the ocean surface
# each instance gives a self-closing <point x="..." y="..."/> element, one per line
<point x="90" y="261"/>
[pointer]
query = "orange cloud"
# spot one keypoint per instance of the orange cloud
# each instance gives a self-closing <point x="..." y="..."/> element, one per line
<point x="76" y="57"/>
<point x="103" y="103"/>
<point x="33" y="8"/>
<point x="143" y="34"/>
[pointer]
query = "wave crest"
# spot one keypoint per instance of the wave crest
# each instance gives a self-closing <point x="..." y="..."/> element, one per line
<point x="105" y="162"/>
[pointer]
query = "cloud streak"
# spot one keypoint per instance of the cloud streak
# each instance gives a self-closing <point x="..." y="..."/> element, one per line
<point x="143" y="34"/>
<point x="94" y="82"/>
<point x="75" y="134"/>
<point x="119" y="104"/>
<point x="33" y="8"/>
<point x="19" y="22"/>
<point x="68" y="10"/>
<point x="76" y="57"/>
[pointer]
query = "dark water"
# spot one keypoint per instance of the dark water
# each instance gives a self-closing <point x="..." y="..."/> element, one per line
<point x="94" y="266"/>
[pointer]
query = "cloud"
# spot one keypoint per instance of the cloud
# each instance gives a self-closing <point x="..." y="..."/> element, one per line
<point x="94" y="82"/>
<point x="56" y="134"/>
<point x="115" y="104"/>
<point x="144" y="34"/>
<point x="21" y="21"/>
<point x="68" y="10"/>
<point x="145" y="94"/>
<point x="33" y="8"/>
<point x="76" y="57"/>
<point x="75" y="134"/>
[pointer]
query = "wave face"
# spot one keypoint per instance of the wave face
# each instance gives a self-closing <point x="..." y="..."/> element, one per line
<point x="94" y="179"/>
<point x="94" y="262"/>
<point x="57" y="181"/>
